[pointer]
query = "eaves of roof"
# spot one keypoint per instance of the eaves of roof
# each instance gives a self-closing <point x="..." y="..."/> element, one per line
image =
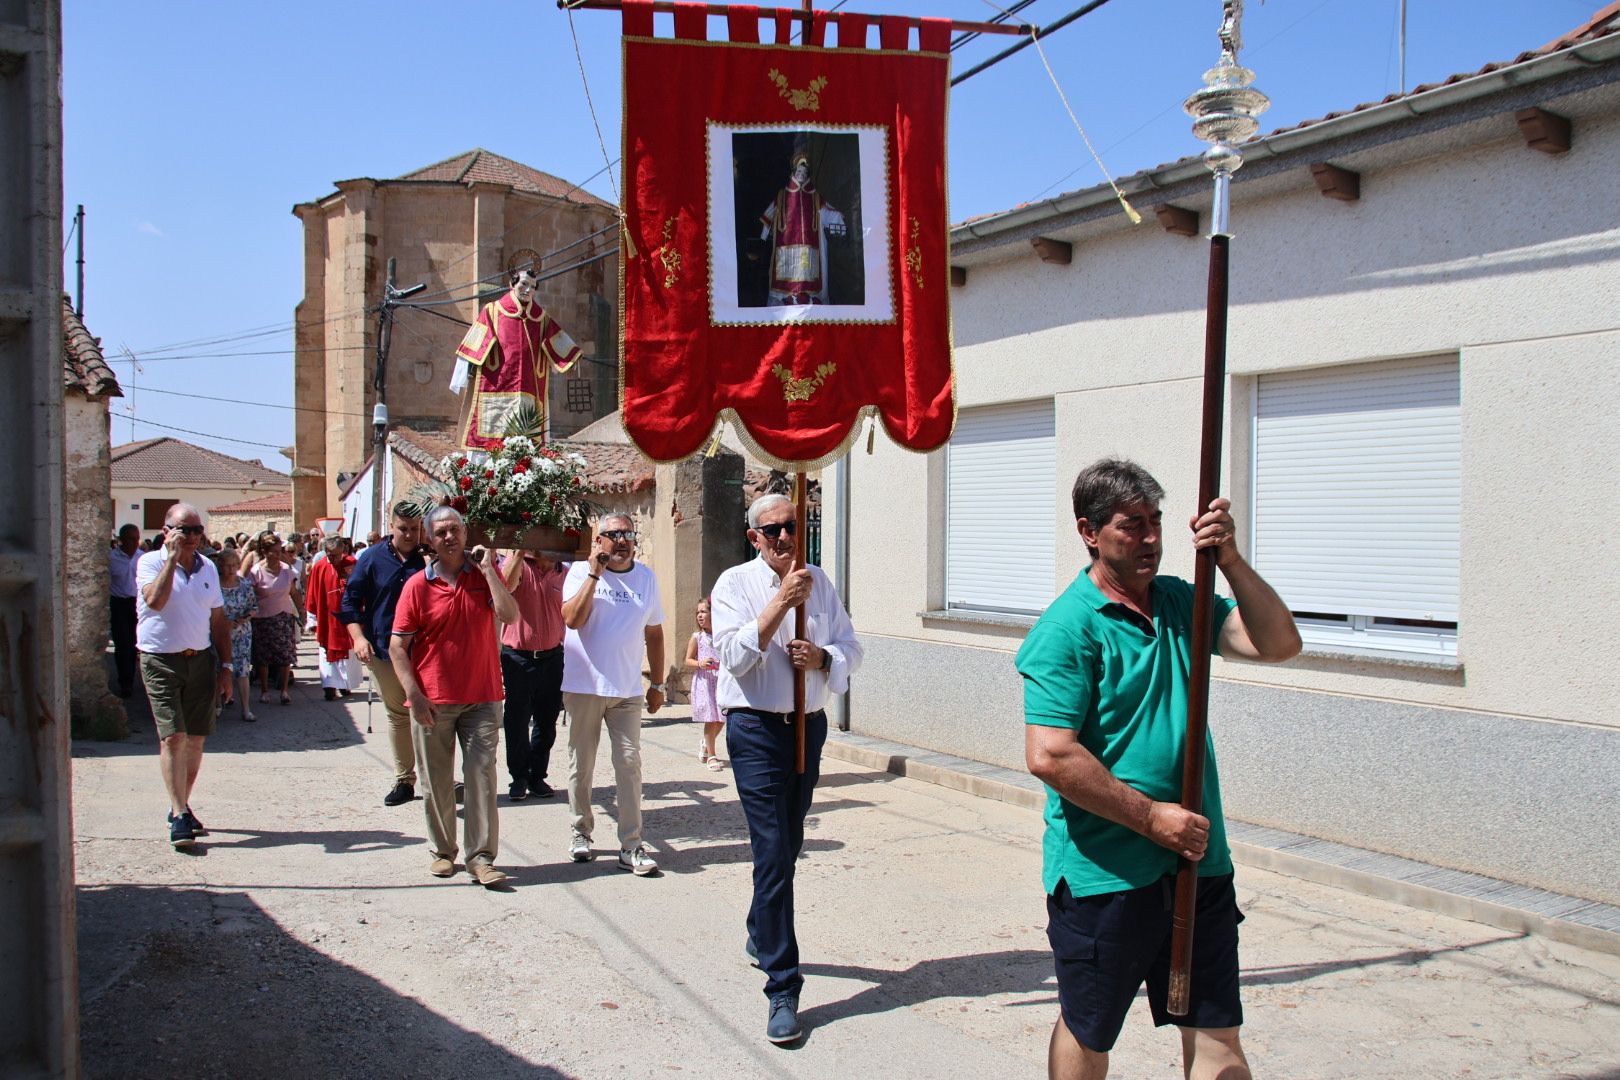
<point x="1593" y="61"/>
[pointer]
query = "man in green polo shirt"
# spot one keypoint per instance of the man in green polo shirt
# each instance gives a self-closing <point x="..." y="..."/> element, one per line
<point x="1105" y="711"/>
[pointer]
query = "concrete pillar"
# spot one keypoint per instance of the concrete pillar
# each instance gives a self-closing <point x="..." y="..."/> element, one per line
<point x="698" y="527"/>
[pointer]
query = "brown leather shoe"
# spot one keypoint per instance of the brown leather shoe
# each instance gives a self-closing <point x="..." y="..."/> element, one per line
<point x="442" y="868"/>
<point x="486" y="875"/>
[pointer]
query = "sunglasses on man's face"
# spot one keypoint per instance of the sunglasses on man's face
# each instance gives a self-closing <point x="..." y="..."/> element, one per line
<point x="188" y="530"/>
<point x="776" y="529"/>
<point x="618" y="534"/>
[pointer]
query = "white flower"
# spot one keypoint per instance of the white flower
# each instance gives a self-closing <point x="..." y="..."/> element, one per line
<point x="520" y="482"/>
<point x="577" y="459"/>
<point x="545" y="465"/>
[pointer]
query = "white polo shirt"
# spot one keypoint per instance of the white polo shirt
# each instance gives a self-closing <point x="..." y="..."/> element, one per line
<point x="183" y="622"/>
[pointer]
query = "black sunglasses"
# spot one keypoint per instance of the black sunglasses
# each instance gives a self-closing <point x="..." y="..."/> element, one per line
<point x="189" y="530"/>
<point x="618" y="534"/>
<point x="776" y="529"/>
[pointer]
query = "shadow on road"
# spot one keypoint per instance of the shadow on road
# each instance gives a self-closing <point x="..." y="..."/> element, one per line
<point x="1011" y="971"/>
<point x="179" y="982"/>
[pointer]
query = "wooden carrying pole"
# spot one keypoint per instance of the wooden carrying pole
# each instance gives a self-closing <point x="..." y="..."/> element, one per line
<point x="1203" y="628"/>
<point x="957" y="27"/>
<point x="801" y="501"/>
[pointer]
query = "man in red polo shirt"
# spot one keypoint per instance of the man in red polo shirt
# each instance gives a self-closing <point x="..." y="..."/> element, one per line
<point x="447" y="656"/>
<point x="532" y="664"/>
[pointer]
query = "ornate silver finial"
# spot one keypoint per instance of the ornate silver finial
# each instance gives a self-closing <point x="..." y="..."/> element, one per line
<point x="1225" y="112"/>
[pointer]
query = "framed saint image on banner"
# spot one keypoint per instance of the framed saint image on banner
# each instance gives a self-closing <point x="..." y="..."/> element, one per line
<point x="799" y="224"/>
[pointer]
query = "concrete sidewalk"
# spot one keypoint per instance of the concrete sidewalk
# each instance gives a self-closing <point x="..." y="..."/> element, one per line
<point x="305" y="938"/>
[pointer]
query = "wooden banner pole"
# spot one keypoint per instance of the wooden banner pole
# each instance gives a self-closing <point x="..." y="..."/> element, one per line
<point x="801" y="501"/>
<point x="1203" y="628"/>
<point x="832" y="16"/>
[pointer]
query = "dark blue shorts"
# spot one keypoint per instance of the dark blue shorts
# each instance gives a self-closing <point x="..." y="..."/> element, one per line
<point x="1106" y="946"/>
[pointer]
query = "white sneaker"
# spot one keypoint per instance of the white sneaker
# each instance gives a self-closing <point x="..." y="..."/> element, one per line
<point x="638" y="861"/>
<point x="579" y="847"/>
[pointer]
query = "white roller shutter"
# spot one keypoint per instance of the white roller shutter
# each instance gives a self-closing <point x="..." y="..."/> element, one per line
<point x="1000" y="523"/>
<point x="1358" y="489"/>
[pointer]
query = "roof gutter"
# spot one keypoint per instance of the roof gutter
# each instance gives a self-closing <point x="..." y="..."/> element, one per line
<point x="1292" y="141"/>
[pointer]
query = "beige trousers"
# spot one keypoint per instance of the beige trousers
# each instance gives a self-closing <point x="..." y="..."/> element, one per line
<point x="587" y="715"/>
<point x="477" y="728"/>
<point x="399" y="719"/>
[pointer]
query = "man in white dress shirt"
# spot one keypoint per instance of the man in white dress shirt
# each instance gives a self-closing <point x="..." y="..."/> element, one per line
<point x="752" y="607"/>
<point x="121" y="603"/>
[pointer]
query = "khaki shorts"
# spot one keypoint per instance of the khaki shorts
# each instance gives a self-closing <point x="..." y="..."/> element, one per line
<point x="181" y="689"/>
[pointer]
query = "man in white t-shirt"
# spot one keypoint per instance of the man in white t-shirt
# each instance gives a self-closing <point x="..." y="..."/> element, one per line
<point x="184" y="641"/>
<point x="612" y="611"/>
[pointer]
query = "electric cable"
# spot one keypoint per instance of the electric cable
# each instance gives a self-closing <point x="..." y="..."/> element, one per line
<point x="188" y="431"/>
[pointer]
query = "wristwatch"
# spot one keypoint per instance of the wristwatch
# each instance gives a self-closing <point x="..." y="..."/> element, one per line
<point x="224" y="665"/>
<point x="658" y="686"/>
<point x="826" y="660"/>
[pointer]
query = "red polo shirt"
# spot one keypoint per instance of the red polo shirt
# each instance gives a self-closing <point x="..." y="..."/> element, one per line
<point x="539" y="600"/>
<point x="454" y="648"/>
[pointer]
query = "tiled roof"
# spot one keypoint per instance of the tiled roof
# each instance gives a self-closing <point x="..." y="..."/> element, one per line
<point x="277" y="502"/>
<point x="481" y="166"/>
<point x="172" y="461"/>
<point x="610" y="467"/>
<point x="83" y="367"/>
<point x="1603" y="24"/>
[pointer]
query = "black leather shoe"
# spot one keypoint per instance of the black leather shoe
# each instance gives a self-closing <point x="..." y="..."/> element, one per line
<point x="541" y="790"/>
<point x="783" y="1025"/>
<point x="402" y="793"/>
<point x="517" y="792"/>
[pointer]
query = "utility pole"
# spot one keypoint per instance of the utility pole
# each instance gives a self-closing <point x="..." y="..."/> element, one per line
<point x="379" y="381"/>
<point x="78" y="297"/>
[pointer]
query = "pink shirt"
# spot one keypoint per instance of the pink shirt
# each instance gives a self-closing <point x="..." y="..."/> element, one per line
<point x="274" y="591"/>
<point x="539" y="599"/>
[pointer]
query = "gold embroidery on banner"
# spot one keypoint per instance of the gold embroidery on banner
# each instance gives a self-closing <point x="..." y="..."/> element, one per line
<point x="668" y="257"/>
<point x="801" y="389"/>
<point x="801" y="100"/>
<point x="914" y="254"/>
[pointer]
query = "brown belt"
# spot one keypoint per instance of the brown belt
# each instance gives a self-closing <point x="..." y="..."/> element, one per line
<point x="182" y="652"/>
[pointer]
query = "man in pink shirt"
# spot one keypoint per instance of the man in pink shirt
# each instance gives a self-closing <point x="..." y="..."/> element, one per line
<point x="532" y="667"/>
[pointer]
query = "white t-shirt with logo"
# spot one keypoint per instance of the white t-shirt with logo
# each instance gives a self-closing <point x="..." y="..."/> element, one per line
<point x="183" y="622"/>
<point x="603" y="657"/>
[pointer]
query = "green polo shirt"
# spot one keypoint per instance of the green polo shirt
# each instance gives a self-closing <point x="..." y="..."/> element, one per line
<point x="1090" y="664"/>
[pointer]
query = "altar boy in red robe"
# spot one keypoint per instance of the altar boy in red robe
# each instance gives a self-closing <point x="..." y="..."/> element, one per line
<point x="512" y="345"/>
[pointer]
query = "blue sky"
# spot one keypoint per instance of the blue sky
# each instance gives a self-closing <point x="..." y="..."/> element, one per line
<point x="191" y="129"/>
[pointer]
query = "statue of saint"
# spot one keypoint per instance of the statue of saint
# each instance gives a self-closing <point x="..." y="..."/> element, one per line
<point x="514" y="345"/>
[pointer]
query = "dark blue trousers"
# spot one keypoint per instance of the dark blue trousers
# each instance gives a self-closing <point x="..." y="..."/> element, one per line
<point x="775" y="800"/>
<point x="533" y="694"/>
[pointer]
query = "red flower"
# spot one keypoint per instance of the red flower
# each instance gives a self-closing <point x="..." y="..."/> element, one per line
<point x="553" y="500"/>
<point x="520" y="467"/>
<point x="491" y="489"/>
<point x="459" y="503"/>
<point x="466" y="483"/>
<point x="524" y="462"/>
<point x="526" y="515"/>
<point x="489" y="474"/>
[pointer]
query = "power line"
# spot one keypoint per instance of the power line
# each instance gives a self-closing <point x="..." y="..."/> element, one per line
<point x="1045" y="31"/>
<point x="200" y="434"/>
<point x="143" y="357"/>
<point x="255" y="404"/>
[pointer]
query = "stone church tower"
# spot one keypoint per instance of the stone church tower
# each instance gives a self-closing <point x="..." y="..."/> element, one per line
<point x="457" y="226"/>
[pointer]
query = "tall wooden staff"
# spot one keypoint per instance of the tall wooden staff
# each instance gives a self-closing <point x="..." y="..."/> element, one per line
<point x="1224" y="112"/>
<point x="800" y="522"/>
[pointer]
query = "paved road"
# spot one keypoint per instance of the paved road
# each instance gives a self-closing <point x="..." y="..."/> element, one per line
<point x="305" y="938"/>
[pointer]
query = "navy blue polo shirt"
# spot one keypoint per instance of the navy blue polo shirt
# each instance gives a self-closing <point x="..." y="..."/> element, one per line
<point x="373" y="591"/>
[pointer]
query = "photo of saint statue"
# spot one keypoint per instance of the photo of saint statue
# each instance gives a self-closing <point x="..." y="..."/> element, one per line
<point x="799" y="225"/>
<point x="798" y="234"/>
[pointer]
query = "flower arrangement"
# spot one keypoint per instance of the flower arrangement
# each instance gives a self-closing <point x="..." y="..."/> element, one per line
<point x="520" y="483"/>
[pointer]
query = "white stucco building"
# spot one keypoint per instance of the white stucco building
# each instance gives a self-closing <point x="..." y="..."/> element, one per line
<point x="1421" y="450"/>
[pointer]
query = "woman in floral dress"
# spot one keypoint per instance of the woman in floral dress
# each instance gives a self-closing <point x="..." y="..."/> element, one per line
<point x="241" y="603"/>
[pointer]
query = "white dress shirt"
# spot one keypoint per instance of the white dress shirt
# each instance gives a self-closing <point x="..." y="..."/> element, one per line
<point x="759" y="675"/>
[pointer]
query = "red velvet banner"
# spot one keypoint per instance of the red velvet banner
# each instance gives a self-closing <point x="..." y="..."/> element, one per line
<point x="789" y="262"/>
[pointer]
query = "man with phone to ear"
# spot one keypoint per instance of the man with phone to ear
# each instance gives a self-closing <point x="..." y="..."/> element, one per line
<point x="612" y="612"/>
<point x="185" y="657"/>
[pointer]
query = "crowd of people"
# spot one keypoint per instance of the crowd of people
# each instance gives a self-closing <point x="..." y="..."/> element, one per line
<point x="464" y="643"/>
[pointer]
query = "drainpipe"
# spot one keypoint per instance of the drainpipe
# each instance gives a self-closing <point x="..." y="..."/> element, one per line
<point x="840" y="702"/>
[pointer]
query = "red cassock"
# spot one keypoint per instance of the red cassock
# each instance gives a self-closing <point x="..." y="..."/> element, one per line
<point x="794" y="219"/>
<point x="325" y="599"/>
<point x="511" y="345"/>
